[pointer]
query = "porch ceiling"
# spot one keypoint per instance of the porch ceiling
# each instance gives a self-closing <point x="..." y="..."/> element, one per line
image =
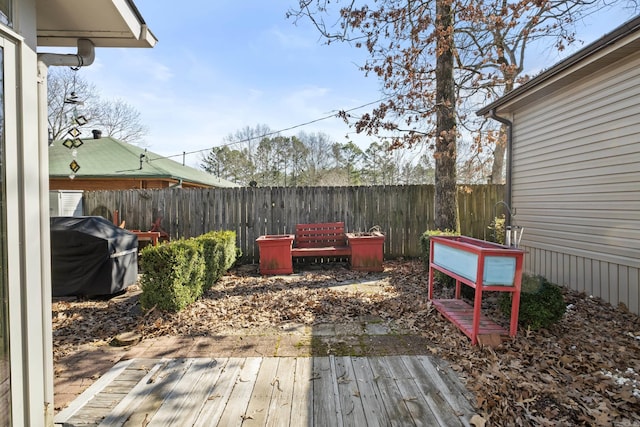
<point x="107" y="23"/>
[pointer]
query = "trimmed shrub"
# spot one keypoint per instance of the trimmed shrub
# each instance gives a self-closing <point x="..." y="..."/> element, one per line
<point x="541" y="303"/>
<point x="219" y="252"/>
<point x="425" y="246"/>
<point x="177" y="273"/>
<point x="173" y="275"/>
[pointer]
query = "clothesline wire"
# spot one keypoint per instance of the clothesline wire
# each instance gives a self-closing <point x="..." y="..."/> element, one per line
<point x="333" y="115"/>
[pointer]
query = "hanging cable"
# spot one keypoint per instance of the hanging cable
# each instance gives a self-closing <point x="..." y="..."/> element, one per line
<point x="334" y="115"/>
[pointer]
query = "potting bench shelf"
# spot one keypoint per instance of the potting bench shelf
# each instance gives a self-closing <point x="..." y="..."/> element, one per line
<point x="460" y="313"/>
<point x="483" y="266"/>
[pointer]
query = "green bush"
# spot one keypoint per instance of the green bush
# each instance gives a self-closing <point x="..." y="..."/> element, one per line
<point x="541" y="303"/>
<point x="173" y="275"/>
<point x="425" y="246"/>
<point x="219" y="252"/>
<point x="179" y="272"/>
<point x="497" y="227"/>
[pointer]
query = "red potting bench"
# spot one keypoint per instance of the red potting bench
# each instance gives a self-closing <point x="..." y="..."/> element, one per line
<point x="322" y="240"/>
<point x="483" y="266"/>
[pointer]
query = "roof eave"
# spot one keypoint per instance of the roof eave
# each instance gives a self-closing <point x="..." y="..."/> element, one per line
<point x="630" y="28"/>
<point x="171" y="178"/>
<point x="107" y="23"/>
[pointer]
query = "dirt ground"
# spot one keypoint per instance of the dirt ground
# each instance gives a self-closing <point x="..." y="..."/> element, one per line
<point x="585" y="370"/>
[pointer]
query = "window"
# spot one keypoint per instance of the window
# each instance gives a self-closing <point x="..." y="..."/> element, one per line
<point x="6" y="12"/>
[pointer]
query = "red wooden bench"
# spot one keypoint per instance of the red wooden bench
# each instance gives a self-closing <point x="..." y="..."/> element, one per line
<point x="320" y="240"/>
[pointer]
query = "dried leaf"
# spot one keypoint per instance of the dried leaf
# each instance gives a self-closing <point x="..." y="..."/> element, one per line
<point x="477" y="421"/>
<point x="582" y="370"/>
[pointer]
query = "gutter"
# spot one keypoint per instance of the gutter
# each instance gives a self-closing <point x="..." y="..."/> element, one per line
<point x="492" y="114"/>
<point x="624" y="30"/>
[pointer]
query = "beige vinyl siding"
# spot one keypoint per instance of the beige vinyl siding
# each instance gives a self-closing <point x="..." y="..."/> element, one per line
<point x="576" y="184"/>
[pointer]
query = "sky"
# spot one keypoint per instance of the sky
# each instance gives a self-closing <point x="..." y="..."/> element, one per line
<point x="220" y="66"/>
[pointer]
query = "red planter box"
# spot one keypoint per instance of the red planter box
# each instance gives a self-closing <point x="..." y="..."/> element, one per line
<point x="367" y="251"/>
<point x="275" y="253"/>
<point x="483" y="266"/>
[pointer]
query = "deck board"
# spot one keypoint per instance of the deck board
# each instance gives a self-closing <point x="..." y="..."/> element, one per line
<point x="376" y="415"/>
<point x="213" y="408"/>
<point x="139" y="407"/>
<point x="444" y="385"/>
<point x="282" y="398"/>
<point x="270" y="391"/>
<point x="258" y="408"/>
<point x="353" y="413"/>
<point x="205" y="392"/>
<point x="241" y="393"/>
<point x="390" y="394"/>
<point x="302" y="406"/>
<point x="186" y="396"/>
<point x="416" y="402"/>
<point x="325" y="413"/>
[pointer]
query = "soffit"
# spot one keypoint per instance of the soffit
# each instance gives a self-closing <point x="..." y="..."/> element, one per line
<point x="107" y="23"/>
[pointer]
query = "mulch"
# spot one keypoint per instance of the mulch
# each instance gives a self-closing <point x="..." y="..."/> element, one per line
<point x="584" y="370"/>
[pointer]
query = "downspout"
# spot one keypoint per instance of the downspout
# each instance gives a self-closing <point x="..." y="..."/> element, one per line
<point x="509" y="125"/>
<point x="85" y="56"/>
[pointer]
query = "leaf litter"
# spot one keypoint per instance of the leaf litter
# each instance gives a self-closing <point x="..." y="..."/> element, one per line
<point x="585" y="370"/>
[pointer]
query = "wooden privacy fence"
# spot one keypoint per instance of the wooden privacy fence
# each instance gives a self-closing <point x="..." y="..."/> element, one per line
<point x="403" y="213"/>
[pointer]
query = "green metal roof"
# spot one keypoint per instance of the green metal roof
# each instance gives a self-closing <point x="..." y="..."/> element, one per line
<point x="110" y="158"/>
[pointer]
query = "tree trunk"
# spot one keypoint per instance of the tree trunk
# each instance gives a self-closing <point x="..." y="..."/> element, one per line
<point x="446" y="197"/>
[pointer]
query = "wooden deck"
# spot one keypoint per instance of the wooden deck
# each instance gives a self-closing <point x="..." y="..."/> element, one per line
<point x="273" y="391"/>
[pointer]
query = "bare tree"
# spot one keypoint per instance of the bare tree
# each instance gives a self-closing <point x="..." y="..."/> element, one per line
<point x="348" y="156"/>
<point x="248" y="138"/>
<point x="383" y="166"/>
<point x="318" y="158"/>
<point x="70" y="96"/>
<point x="120" y="120"/>
<point x="492" y="42"/>
<point x="431" y="56"/>
<point x="313" y="159"/>
<point x="411" y="50"/>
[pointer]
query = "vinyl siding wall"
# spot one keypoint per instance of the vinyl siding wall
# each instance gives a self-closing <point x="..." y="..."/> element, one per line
<point x="576" y="184"/>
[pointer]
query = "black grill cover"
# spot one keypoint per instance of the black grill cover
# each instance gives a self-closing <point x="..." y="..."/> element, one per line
<point x="91" y="256"/>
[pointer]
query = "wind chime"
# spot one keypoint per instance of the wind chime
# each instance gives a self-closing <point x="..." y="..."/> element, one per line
<point x="73" y="141"/>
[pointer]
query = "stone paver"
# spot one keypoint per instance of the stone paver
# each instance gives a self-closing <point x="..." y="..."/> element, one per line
<point x="348" y="329"/>
<point x="376" y="329"/>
